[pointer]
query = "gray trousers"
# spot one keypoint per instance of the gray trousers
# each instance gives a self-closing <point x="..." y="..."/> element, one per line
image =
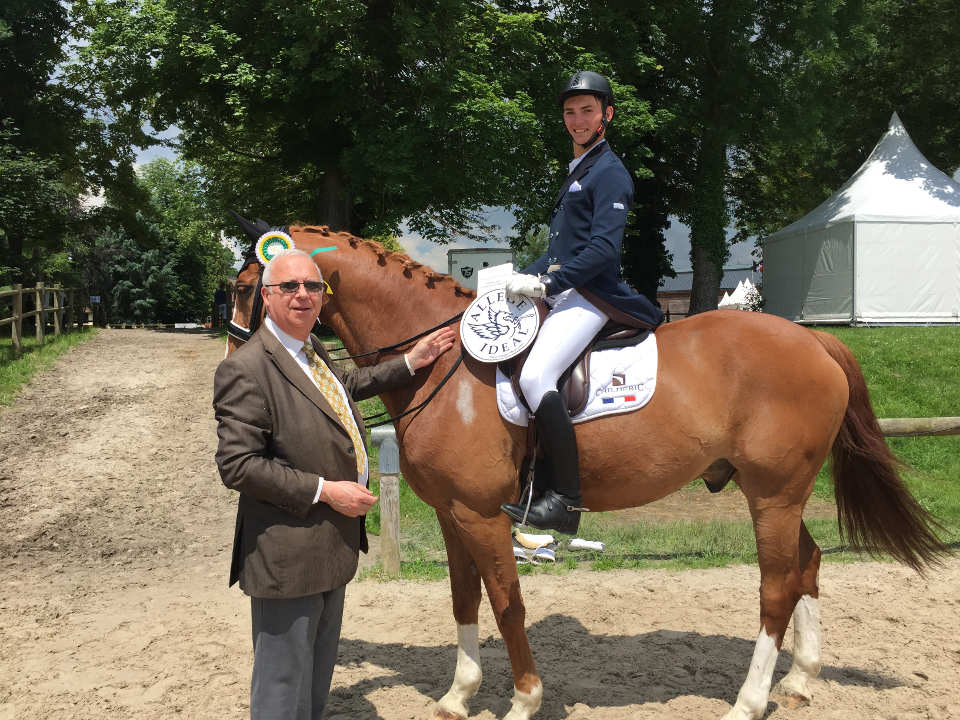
<point x="294" y="650"/>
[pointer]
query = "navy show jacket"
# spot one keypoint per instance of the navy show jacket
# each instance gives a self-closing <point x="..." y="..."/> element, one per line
<point x="586" y="234"/>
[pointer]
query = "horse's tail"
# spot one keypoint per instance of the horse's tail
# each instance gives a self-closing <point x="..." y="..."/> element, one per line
<point x="875" y="510"/>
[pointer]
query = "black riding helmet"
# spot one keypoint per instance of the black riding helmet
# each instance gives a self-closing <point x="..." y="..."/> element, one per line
<point x="587" y="82"/>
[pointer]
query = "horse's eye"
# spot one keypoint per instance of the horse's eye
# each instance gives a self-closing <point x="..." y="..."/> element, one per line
<point x="244" y="289"/>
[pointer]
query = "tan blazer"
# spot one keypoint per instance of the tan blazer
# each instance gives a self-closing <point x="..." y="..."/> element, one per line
<point x="277" y="435"/>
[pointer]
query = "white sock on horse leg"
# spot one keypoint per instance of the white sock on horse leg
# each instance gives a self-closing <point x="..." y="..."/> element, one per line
<point x="806" y="649"/>
<point x="753" y="696"/>
<point x="467" y="677"/>
<point x="524" y="704"/>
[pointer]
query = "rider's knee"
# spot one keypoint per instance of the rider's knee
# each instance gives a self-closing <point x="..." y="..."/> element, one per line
<point x="534" y="388"/>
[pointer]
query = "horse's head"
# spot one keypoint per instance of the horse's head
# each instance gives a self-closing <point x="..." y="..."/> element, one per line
<point x="247" y="307"/>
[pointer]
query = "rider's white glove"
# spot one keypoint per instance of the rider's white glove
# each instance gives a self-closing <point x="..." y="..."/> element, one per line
<point x="527" y="285"/>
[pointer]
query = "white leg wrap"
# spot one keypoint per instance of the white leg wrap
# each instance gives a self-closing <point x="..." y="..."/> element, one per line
<point x="753" y="696"/>
<point x="806" y="650"/>
<point x="525" y="704"/>
<point x="466" y="679"/>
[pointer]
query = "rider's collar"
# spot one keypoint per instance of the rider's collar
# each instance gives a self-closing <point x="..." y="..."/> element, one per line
<point x="576" y="161"/>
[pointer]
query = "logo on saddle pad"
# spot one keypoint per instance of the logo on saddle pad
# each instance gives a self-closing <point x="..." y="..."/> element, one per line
<point x="494" y="328"/>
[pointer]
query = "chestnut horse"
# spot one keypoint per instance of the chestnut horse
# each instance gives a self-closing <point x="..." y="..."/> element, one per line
<point x="739" y="394"/>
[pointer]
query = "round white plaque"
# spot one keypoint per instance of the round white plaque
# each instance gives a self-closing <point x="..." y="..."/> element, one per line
<point x="494" y="328"/>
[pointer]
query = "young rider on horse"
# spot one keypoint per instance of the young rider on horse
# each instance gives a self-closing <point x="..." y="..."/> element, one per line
<point x="582" y="261"/>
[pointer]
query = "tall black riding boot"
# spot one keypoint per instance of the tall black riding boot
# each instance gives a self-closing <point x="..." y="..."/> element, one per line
<point x="559" y="507"/>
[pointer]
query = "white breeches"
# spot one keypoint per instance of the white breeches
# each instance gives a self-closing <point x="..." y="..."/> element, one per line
<point x="569" y="326"/>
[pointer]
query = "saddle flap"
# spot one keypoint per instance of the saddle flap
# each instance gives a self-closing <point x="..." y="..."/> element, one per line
<point x="574" y="383"/>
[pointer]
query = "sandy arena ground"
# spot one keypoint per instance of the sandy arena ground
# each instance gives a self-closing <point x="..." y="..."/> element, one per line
<point x="114" y="604"/>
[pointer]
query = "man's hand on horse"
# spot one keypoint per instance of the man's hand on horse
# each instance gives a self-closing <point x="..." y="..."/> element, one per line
<point x="431" y="347"/>
<point x="525" y="285"/>
<point x="347" y="498"/>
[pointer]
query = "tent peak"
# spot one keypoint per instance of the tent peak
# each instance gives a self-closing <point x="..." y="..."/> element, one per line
<point x="896" y="126"/>
<point x="895" y="181"/>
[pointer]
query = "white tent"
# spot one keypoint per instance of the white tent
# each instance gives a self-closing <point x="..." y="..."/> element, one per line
<point x="884" y="248"/>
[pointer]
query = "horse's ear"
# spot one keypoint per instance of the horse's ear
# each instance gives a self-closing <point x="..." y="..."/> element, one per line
<point x="251" y="230"/>
<point x="333" y="281"/>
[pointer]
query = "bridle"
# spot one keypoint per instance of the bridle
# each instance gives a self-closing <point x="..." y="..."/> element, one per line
<point x="238" y="332"/>
<point x="243" y="334"/>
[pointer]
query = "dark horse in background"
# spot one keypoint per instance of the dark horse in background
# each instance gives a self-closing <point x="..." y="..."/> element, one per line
<point x="742" y="396"/>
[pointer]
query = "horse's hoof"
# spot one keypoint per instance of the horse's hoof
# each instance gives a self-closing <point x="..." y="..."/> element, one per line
<point x="792" y="692"/>
<point x="789" y="700"/>
<point x="441" y="714"/>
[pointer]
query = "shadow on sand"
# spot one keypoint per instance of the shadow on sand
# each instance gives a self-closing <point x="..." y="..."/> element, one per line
<point x="577" y="666"/>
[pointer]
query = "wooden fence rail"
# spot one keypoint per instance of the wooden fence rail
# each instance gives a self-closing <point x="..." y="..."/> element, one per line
<point x="386" y="439"/>
<point x="915" y="427"/>
<point x="59" y="314"/>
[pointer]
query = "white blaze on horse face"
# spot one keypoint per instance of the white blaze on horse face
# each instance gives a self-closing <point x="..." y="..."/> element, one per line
<point x="524" y="704"/>
<point x="466" y="679"/>
<point x="806" y="650"/>
<point x="753" y="696"/>
<point x="465" y="402"/>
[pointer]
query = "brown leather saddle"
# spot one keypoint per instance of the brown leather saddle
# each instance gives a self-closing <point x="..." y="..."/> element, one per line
<point x="574" y="383"/>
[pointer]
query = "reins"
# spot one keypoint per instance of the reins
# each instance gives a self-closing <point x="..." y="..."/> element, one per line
<point x="443" y="380"/>
<point x="400" y="344"/>
<point x="421" y="405"/>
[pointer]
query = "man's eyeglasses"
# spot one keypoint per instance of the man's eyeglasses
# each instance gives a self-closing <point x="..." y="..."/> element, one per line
<point x="289" y="287"/>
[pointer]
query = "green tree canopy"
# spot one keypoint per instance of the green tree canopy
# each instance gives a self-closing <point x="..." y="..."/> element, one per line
<point x="885" y="56"/>
<point x="356" y="114"/>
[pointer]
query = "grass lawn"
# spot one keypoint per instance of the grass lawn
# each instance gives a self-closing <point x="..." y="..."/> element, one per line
<point x="15" y="372"/>
<point x="911" y="372"/>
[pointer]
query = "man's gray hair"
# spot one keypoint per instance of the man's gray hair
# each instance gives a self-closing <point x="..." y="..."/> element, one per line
<point x="268" y="275"/>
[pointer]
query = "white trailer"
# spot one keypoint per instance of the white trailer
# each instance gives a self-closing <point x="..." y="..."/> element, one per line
<point x="464" y="265"/>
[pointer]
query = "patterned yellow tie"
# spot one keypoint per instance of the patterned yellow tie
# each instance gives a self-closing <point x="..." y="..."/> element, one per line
<point x="329" y="387"/>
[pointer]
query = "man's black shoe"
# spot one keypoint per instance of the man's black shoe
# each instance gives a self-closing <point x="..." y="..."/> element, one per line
<point x="548" y="512"/>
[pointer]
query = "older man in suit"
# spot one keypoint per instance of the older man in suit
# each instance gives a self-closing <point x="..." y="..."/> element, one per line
<point x="291" y="445"/>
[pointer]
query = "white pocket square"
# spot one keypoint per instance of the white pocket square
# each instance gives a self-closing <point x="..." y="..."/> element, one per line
<point x="575" y="186"/>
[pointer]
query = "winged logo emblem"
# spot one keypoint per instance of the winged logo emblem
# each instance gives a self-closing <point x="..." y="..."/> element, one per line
<point x="498" y="324"/>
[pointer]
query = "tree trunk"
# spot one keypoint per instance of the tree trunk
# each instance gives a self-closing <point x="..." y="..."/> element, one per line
<point x="708" y="220"/>
<point x="706" y="281"/>
<point x="335" y="203"/>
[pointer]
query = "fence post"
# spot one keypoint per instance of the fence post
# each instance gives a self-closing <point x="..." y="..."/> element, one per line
<point x="16" y="327"/>
<point x="389" y="499"/>
<point x="56" y="310"/>
<point x="38" y="317"/>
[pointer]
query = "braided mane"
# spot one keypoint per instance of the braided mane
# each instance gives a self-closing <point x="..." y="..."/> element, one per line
<point x="409" y="267"/>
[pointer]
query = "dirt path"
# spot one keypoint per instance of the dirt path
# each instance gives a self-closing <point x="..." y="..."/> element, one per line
<point x="113" y="598"/>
